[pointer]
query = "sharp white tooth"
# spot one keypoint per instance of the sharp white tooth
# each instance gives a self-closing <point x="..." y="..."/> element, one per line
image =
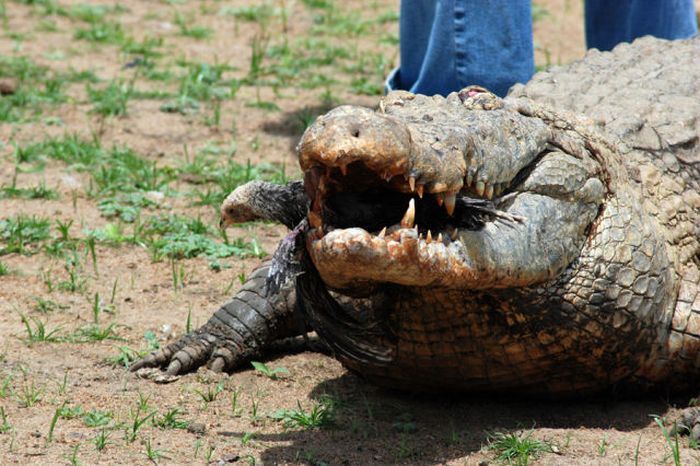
<point x="439" y="238"/>
<point x="382" y="233"/>
<point x="469" y="180"/>
<point x="489" y="191"/>
<point x="412" y="183"/>
<point x="480" y="186"/>
<point x="429" y="237"/>
<point x="455" y="234"/>
<point x="450" y="199"/>
<point x="410" y="216"/>
<point x="419" y="190"/>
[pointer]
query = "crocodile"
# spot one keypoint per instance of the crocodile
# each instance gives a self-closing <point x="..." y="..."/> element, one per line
<point x="543" y="244"/>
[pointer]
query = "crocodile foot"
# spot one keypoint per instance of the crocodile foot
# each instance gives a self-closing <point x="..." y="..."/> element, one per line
<point x="689" y="424"/>
<point x="211" y="345"/>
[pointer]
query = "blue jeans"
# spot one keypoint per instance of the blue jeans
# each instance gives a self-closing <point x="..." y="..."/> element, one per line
<point x="449" y="44"/>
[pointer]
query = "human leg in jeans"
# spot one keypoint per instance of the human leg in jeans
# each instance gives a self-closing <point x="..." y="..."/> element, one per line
<point x="610" y="22"/>
<point x="449" y="44"/>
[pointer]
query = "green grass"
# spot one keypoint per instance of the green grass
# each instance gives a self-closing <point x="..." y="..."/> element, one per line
<point x="35" y="192"/>
<point x="272" y="373"/>
<point x="96" y="418"/>
<point x="201" y="83"/>
<point x="35" y="87"/>
<point x="671" y="439"/>
<point x="102" y="32"/>
<point x="38" y="333"/>
<point x="110" y="100"/>
<point x="320" y="415"/>
<point x="170" y="420"/>
<point x="191" y="30"/>
<point x="22" y="234"/>
<point x="126" y="207"/>
<point x="516" y="448"/>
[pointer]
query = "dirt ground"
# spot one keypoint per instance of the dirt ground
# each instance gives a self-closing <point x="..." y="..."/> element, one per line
<point x="66" y="397"/>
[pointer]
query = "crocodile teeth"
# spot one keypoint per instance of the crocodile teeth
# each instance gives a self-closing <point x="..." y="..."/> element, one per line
<point x="382" y="233"/>
<point x="419" y="190"/>
<point x="429" y="237"/>
<point x="343" y="169"/>
<point x="439" y="198"/>
<point x="480" y="186"/>
<point x="455" y="234"/>
<point x="450" y="200"/>
<point x="412" y="183"/>
<point x="489" y="191"/>
<point x="410" y="215"/>
<point x="439" y="238"/>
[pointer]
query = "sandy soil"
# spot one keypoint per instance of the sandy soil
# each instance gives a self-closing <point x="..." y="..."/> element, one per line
<point x="371" y="426"/>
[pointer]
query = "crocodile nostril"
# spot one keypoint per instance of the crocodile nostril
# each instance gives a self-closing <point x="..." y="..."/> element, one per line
<point x="356" y="133"/>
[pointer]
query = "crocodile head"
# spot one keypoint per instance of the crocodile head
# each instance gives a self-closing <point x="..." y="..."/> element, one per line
<point x="397" y="194"/>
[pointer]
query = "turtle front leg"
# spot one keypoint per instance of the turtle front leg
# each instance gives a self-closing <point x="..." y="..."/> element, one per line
<point x="238" y="332"/>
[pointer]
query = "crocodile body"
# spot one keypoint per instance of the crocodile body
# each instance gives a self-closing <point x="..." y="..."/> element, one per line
<point x="546" y="243"/>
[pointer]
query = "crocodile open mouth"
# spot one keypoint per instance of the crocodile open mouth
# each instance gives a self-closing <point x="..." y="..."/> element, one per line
<point x="371" y="219"/>
<point x="356" y="197"/>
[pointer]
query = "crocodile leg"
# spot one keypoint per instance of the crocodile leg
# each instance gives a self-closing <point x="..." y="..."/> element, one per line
<point x="240" y="330"/>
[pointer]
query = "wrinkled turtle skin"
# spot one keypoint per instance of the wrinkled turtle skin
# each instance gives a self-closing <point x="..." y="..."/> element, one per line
<point x="541" y="244"/>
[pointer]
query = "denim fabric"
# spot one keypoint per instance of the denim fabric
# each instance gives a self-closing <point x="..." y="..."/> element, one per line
<point x="449" y="44"/>
<point x="609" y="23"/>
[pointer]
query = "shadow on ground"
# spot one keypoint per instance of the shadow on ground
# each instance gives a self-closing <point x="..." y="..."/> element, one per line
<point x="375" y="426"/>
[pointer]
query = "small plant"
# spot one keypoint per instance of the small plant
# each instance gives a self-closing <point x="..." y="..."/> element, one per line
<point x="671" y="442"/>
<point x="152" y="453"/>
<point x="73" y="458"/>
<point x="21" y="234"/>
<point x="267" y="371"/>
<point x="320" y="415"/>
<point x="187" y="30"/>
<point x="4" y="269"/>
<point x="211" y="393"/>
<point x="5" y="425"/>
<point x="92" y="333"/>
<point x="5" y="388"/>
<point x="111" y="100"/>
<point x="235" y="409"/>
<point x="102" y="439"/>
<point x="516" y="448"/>
<point x="29" y="395"/>
<point x="246" y="438"/>
<point x="97" y="418"/>
<point x="45" y="306"/>
<point x="71" y="412"/>
<point x="603" y="446"/>
<point x="38" y="333"/>
<point x="170" y="420"/>
<point x="137" y="422"/>
<point x="52" y="425"/>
